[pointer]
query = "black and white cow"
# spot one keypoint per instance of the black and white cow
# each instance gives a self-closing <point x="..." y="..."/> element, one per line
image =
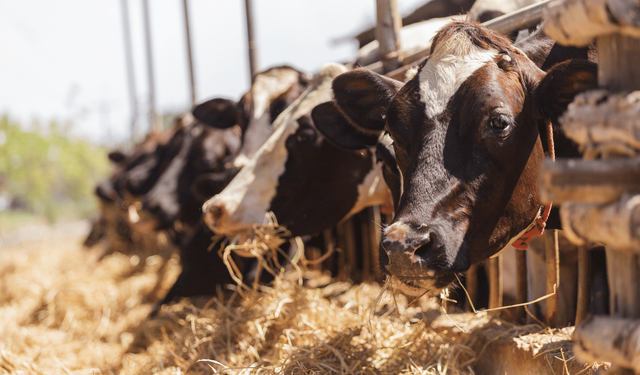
<point x="306" y="181"/>
<point x="468" y="139"/>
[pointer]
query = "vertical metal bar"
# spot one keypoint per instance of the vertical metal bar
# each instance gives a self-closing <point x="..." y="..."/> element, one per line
<point x="251" y="43"/>
<point x="388" y="27"/>
<point x="192" y="80"/>
<point x="153" y="120"/>
<point x="128" y="54"/>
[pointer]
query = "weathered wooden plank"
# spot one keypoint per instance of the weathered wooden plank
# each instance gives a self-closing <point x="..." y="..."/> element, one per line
<point x="594" y="181"/>
<point x="605" y="124"/>
<point x="615" y="73"/>
<point x="578" y="22"/>
<point x="388" y="34"/>
<point x="601" y="338"/>
<point x="617" y="224"/>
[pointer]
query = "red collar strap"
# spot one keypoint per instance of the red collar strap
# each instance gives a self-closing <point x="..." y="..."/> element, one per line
<point x="537" y="227"/>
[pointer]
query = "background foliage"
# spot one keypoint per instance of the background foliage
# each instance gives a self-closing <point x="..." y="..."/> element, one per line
<point x="51" y="173"/>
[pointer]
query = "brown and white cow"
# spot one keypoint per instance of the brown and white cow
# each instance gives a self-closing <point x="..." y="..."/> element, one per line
<point x="306" y="181"/>
<point x="469" y="137"/>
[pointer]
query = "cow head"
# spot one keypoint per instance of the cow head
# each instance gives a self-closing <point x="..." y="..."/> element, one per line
<point x="307" y="182"/>
<point x="272" y="91"/>
<point x="468" y="144"/>
<point x="196" y="171"/>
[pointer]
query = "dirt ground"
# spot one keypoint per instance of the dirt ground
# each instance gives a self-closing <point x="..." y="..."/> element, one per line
<point x="62" y="312"/>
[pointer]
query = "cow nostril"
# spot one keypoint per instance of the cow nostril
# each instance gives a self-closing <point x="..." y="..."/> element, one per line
<point x="429" y="244"/>
<point x="215" y="211"/>
<point x="212" y="215"/>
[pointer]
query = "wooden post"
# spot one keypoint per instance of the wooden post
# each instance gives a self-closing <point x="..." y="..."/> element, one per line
<point x="192" y="81"/>
<point x="472" y="284"/>
<point x="365" y="237"/>
<point x="584" y="284"/>
<point x="131" y="79"/>
<point x="618" y="71"/>
<point x="616" y="24"/>
<point x="522" y="284"/>
<point x="375" y="233"/>
<point x="251" y="43"/>
<point x="388" y="34"/>
<point x="552" y="256"/>
<point x="495" y="282"/>
<point x="153" y="118"/>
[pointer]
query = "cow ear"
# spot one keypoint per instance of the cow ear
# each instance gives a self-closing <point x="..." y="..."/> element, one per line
<point x="116" y="157"/>
<point x="339" y="131"/>
<point x="219" y="113"/>
<point x="561" y="84"/>
<point x="364" y="96"/>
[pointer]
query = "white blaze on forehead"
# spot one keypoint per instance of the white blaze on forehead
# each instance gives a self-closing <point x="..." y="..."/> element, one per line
<point x="452" y="62"/>
<point x="269" y="85"/>
<point x="248" y="196"/>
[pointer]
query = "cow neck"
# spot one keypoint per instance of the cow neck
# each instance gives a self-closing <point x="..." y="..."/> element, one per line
<point x="537" y="226"/>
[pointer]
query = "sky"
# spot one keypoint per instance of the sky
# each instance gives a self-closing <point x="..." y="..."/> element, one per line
<point x="64" y="60"/>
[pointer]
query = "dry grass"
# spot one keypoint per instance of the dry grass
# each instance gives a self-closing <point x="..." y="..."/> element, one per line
<point x="63" y="313"/>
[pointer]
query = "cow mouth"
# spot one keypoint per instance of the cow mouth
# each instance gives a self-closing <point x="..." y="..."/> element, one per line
<point x="413" y="287"/>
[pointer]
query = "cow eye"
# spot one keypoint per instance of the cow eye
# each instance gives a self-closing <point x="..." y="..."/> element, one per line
<point x="306" y="136"/>
<point x="501" y="122"/>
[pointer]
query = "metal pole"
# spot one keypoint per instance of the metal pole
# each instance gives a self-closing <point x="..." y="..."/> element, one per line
<point x="253" y="58"/>
<point x="128" y="54"/>
<point x="192" y="80"/>
<point x="153" y="121"/>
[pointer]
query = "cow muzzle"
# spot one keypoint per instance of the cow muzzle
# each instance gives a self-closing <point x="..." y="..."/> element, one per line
<point x="412" y="255"/>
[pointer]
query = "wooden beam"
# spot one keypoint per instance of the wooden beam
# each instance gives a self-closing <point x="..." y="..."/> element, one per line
<point x="578" y="22"/>
<point x="593" y="181"/>
<point x="388" y="34"/>
<point x="615" y="224"/>
<point x="616" y="340"/>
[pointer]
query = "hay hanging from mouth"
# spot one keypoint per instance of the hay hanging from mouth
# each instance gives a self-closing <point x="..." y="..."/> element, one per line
<point x="262" y="242"/>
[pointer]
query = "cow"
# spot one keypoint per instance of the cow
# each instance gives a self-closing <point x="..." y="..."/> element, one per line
<point x="118" y="234"/>
<point x="210" y="155"/>
<point x="468" y="133"/>
<point x="306" y="181"/>
<point x="271" y="92"/>
<point x="195" y="171"/>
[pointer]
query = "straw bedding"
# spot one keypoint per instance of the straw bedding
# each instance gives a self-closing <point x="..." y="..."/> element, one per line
<point x="61" y="312"/>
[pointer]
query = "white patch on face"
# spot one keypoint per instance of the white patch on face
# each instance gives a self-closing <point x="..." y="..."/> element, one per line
<point x="269" y="85"/>
<point x="248" y="196"/>
<point x="397" y="232"/>
<point x="371" y="191"/>
<point x="452" y="62"/>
